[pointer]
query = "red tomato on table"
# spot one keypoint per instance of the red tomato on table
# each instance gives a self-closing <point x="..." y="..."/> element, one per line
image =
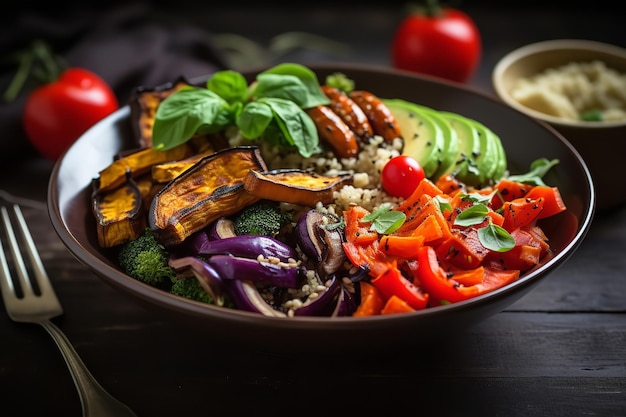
<point x="57" y="113"/>
<point x="443" y="42"/>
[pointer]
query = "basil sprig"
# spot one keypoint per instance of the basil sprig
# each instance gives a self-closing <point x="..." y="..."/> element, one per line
<point x="272" y="107"/>
<point x="538" y="168"/>
<point x="384" y="220"/>
<point x="491" y="236"/>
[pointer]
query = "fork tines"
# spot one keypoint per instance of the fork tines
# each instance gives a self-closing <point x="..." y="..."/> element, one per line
<point x="18" y="278"/>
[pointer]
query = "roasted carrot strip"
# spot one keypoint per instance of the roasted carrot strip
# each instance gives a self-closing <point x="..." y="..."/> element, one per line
<point x="396" y="305"/>
<point x="371" y="301"/>
<point x="401" y="246"/>
<point x="430" y="229"/>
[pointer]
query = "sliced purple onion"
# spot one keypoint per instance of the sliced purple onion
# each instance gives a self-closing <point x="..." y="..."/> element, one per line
<point x="324" y="304"/>
<point x="221" y="228"/>
<point x="208" y="277"/>
<point x="245" y="246"/>
<point x="266" y="273"/>
<point x="246" y="296"/>
<point x="346" y="304"/>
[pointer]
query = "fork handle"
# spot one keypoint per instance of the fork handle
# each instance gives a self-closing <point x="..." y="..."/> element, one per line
<point x="95" y="400"/>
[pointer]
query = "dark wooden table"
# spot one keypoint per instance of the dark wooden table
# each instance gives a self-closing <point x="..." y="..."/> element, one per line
<point x="560" y="351"/>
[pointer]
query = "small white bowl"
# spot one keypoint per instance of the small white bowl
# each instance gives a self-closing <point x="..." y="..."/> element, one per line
<point x="601" y="144"/>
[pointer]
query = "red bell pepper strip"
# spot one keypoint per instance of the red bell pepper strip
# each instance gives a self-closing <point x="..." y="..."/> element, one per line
<point x="435" y="282"/>
<point x="442" y="289"/>
<point x="552" y="200"/>
<point x="392" y="282"/>
<point x="521" y="212"/>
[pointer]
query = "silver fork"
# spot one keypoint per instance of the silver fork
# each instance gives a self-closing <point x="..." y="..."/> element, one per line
<point x="26" y="303"/>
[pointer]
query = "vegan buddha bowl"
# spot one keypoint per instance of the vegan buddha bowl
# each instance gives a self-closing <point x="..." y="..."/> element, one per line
<point x="299" y="206"/>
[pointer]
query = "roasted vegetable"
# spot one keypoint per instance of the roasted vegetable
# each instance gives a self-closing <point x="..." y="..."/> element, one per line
<point x="146" y="260"/>
<point x="260" y="219"/>
<point x="167" y="171"/>
<point x="349" y="112"/>
<point x="119" y="214"/>
<point x="137" y="163"/>
<point x="212" y="188"/>
<point x="294" y="186"/>
<point x="334" y="131"/>
<point x="320" y="242"/>
<point x="380" y="117"/>
<point x="245" y="246"/>
<point x="143" y="105"/>
<point x="191" y="288"/>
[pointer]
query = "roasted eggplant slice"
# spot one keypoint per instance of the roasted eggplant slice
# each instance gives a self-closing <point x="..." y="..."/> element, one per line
<point x="212" y="188"/>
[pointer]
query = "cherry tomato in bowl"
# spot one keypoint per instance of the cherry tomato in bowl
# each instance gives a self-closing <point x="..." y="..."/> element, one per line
<point x="438" y="41"/>
<point x="57" y="113"/>
<point x="401" y="175"/>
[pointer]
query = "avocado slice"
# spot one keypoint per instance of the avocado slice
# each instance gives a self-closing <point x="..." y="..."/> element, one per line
<point x="450" y="148"/>
<point x="486" y="162"/>
<point x="465" y="168"/>
<point x="423" y="137"/>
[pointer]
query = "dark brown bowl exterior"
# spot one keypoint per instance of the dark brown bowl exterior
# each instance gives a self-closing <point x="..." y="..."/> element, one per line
<point x="524" y="139"/>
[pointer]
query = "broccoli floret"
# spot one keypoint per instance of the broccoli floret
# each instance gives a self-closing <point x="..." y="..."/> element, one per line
<point x="146" y="260"/>
<point x="191" y="288"/>
<point x="260" y="219"/>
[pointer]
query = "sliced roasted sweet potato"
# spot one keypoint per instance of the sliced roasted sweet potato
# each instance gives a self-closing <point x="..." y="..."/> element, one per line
<point x="294" y="186"/>
<point x="167" y="171"/>
<point x="212" y="188"/>
<point x="120" y="214"/>
<point x="143" y="105"/>
<point x="138" y="163"/>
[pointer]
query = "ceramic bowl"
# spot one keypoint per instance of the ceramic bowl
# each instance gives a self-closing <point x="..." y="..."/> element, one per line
<point x="524" y="139"/>
<point x="601" y="144"/>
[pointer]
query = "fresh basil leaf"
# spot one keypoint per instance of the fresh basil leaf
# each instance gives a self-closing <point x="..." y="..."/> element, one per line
<point x="496" y="238"/>
<point x="443" y="203"/>
<point x="480" y="198"/>
<point x="384" y="220"/>
<point x="183" y="113"/>
<point x="254" y="119"/>
<point x="287" y="87"/>
<point x="315" y="96"/>
<point x="296" y="126"/>
<point x="373" y="215"/>
<point x="389" y="222"/>
<point x="538" y="169"/>
<point x="472" y="215"/>
<point x="230" y="85"/>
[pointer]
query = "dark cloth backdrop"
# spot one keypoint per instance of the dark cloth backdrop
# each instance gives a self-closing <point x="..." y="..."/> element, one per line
<point x="128" y="45"/>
